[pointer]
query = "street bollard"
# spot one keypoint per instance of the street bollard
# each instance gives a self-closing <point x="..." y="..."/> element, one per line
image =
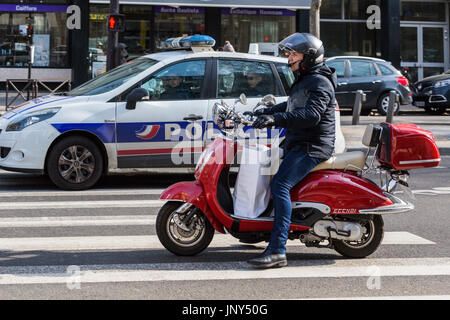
<point x="360" y="98"/>
<point x="393" y="98"/>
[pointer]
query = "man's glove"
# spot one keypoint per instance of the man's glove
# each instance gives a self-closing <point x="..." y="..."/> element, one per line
<point x="261" y="112"/>
<point x="264" y="121"/>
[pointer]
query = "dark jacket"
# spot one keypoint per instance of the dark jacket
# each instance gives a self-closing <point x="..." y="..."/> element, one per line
<point x="309" y="114"/>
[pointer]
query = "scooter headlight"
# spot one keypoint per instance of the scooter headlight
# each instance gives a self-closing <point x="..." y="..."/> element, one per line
<point x="31" y="118"/>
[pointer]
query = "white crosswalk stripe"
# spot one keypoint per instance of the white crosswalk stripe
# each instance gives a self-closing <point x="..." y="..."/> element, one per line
<point x="15" y="203"/>
<point x="225" y="271"/>
<point x="81" y="204"/>
<point x="152" y="242"/>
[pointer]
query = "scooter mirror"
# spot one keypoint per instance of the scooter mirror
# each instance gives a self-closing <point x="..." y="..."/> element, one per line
<point x="242" y="99"/>
<point x="269" y="100"/>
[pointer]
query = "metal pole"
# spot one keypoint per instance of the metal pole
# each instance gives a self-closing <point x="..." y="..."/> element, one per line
<point x="113" y="37"/>
<point x="393" y="97"/>
<point x="360" y="98"/>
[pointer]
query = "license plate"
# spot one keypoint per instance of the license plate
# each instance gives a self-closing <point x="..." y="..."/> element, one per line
<point x="420" y="103"/>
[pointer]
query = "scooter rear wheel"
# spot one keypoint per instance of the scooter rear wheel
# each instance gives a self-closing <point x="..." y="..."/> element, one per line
<point x="368" y="244"/>
<point x="177" y="240"/>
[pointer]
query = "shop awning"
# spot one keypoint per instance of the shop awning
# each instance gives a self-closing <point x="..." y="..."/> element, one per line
<point x="285" y="4"/>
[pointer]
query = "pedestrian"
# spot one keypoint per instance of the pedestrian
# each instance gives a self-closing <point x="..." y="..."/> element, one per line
<point x="308" y="116"/>
<point x="228" y="47"/>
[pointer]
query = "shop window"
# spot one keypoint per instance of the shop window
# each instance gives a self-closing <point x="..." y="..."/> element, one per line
<point x="50" y="40"/>
<point x="182" y="81"/>
<point x="254" y="79"/>
<point x="357" y="9"/>
<point x="178" y="21"/>
<point x="422" y="11"/>
<point x="244" y="26"/>
<point x="98" y="39"/>
<point x="331" y="9"/>
<point x="354" y="39"/>
<point x="137" y="29"/>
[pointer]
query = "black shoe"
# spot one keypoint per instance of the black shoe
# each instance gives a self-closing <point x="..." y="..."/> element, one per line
<point x="269" y="260"/>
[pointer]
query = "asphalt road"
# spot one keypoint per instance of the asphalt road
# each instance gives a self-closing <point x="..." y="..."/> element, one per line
<point x="101" y="244"/>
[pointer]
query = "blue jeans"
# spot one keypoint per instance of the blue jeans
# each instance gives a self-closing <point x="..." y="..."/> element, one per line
<point x="295" y="166"/>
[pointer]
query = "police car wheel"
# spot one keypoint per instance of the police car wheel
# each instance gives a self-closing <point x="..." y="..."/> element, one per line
<point x="75" y="163"/>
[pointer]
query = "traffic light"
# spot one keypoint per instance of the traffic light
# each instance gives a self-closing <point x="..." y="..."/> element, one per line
<point x="116" y="22"/>
<point x="121" y="54"/>
<point x="30" y="32"/>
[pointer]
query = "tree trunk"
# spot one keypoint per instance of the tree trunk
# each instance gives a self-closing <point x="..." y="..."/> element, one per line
<point x="314" y="18"/>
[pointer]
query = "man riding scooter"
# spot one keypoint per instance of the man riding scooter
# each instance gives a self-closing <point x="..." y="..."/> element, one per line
<point x="308" y="117"/>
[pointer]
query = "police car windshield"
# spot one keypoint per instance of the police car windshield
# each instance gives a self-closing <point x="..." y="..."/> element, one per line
<point x="113" y="78"/>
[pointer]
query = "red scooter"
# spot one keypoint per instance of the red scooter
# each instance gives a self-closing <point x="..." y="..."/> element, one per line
<point x="335" y="206"/>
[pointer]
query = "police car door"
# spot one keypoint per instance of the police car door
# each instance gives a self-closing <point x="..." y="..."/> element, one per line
<point x="167" y="130"/>
<point x="253" y="78"/>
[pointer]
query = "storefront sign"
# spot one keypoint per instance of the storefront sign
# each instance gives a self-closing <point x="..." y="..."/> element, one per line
<point x="31" y="8"/>
<point x="259" y="12"/>
<point x="179" y="10"/>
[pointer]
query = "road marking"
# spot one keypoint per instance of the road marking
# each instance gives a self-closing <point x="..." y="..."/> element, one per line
<point x="224" y="271"/>
<point x="404" y="238"/>
<point x="102" y="192"/>
<point x="76" y="221"/>
<point x="81" y="204"/>
<point x="433" y="192"/>
<point x="152" y="242"/>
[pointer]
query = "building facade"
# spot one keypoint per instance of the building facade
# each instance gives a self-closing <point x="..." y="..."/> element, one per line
<point x="409" y="33"/>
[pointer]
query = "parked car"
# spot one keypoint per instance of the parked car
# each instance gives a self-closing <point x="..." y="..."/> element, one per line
<point x="139" y="114"/>
<point x="433" y="93"/>
<point x="376" y="77"/>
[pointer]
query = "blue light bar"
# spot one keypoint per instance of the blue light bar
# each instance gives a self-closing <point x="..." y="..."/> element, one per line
<point x="188" y="42"/>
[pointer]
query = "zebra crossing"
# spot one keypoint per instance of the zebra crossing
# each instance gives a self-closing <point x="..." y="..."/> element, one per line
<point x="40" y="211"/>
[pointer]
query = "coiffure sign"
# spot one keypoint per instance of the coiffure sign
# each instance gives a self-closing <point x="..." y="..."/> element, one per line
<point x="31" y="8"/>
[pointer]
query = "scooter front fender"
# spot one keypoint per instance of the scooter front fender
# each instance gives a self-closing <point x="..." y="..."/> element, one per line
<point x="192" y="192"/>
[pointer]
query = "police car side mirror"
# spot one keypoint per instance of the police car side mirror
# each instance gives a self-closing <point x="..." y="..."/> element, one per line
<point x="135" y="96"/>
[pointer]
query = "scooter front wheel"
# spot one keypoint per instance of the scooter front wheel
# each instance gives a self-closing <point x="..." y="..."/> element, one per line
<point x="184" y="234"/>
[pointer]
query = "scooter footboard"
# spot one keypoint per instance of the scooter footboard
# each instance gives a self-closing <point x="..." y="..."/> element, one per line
<point x="191" y="192"/>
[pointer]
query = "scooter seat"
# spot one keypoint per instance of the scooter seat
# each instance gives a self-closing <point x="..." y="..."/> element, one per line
<point x="353" y="161"/>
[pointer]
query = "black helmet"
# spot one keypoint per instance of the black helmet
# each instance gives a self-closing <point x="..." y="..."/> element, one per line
<point x="305" y="43"/>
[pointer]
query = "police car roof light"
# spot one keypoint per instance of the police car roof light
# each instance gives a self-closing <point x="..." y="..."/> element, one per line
<point x="188" y="42"/>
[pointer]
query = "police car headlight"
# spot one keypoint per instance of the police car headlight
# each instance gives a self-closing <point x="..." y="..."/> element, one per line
<point x="31" y="118"/>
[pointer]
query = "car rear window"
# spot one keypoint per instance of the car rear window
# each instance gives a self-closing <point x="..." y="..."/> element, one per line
<point x="385" y="71"/>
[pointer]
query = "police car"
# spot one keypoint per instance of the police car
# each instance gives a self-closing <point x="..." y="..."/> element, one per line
<point x="153" y="112"/>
